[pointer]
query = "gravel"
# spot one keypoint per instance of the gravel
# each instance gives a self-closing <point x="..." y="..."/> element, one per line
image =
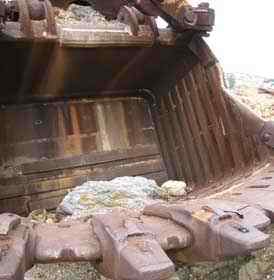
<point x="74" y="271"/>
<point x="77" y="14"/>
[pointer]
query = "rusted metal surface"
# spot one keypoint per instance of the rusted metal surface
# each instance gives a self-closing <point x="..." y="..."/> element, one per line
<point x="76" y="241"/>
<point x="201" y="122"/>
<point x="61" y="242"/>
<point x="134" y="14"/>
<point x="66" y="241"/>
<point x="134" y="18"/>
<point x="129" y="244"/>
<point x="27" y="11"/>
<point x="129" y="250"/>
<point x="188" y="18"/>
<point x="36" y="8"/>
<point x="25" y="19"/>
<point x="47" y="149"/>
<point x="129" y="17"/>
<point x="257" y="190"/>
<point x="13" y="8"/>
<point x="204" y="135"/>
<point x="50" y="17"/>
<point x="217" y="231"/>
<point x="40" y="62"/>
<point x="41" y="75"/>
<point x="15" y="249"/>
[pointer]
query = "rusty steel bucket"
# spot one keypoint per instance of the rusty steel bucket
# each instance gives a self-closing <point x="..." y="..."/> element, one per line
<point x="80" y="103"/>
<point x="177" y="122"/>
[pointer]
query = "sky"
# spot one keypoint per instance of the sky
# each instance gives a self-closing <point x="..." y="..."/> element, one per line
<point x="243" y="37"/>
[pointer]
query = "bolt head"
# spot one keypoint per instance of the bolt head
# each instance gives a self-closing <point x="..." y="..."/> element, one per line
<point x="266" y="137"/>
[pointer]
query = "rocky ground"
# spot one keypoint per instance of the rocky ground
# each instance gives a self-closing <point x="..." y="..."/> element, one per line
<point x="262" y="104"/>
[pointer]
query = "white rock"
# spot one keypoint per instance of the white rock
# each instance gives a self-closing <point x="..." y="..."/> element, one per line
<point x="101" y="196"/>
<point x="173" y="188"/>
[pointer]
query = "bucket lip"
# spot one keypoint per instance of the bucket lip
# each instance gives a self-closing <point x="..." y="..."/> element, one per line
<point x="89" y="35"/>
<point x="99" y="36"/>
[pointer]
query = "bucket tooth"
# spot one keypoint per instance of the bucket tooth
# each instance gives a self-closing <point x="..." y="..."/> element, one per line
<point x="217" y="233"/>
<point x="15" y="248"/>
<point x="129" y="250"/>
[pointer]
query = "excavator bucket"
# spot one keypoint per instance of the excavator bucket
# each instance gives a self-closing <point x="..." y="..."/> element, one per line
<point x="83" y="102"/>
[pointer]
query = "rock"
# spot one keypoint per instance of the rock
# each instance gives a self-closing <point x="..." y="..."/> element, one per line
<point x="175" y="276"/>
<point x="42" y="215"/>
<point x="100" y="196"/>
<point x="78" y="14"/>
<point x="173" y="189"/>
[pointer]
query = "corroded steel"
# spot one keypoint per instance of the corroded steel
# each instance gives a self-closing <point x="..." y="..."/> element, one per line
<point x="257" y="189"/>
<point x="129" y="16"/>
<point x="204" y="136"/>
<point x="76" y="239"/>
<point x="25" y="244"/>
<point x="134" y="13"/>
<point x="16" y="247"/>
<point x="200" y="18"/>
<point x="129" y="244"/>
<point x="27" y="11"/>
<point x="129" y="249"/>
<point x="25" y="19"/>
<point x="36" y="9"/>
<point x="217" y="232"/>
<point x="50" y="18"/>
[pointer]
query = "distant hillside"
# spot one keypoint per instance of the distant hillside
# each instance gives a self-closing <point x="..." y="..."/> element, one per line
<point x="236" y="80"/>
<point x="254" y="91"/>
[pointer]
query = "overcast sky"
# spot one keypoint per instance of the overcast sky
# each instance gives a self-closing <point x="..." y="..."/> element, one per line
<point x="243" y="38"/>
